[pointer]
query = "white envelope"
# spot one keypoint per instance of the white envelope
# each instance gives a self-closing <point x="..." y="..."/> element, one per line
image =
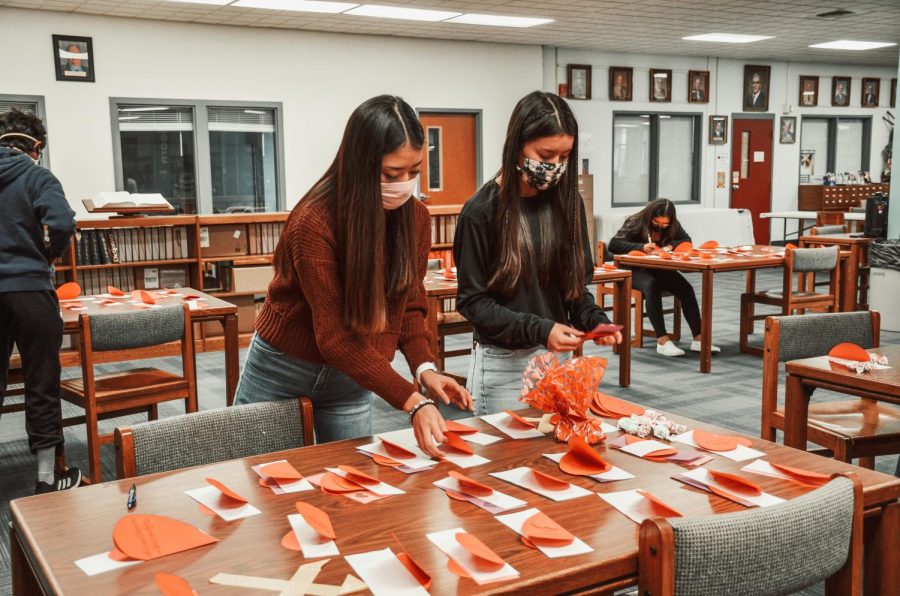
<point x="523" y="477"/>
<point x="446" y="541"/>
<point x="642" y="448"/>
<point x="313" y="544"/>
<point x="281" y="489"/>
<point x="504" y="423"/>
<point x="419" y="462"/>
<point x="383" y="489"/>
<point x="101" y="563"/>
<point x="210" y="496"/>
<point x="480" y="438"/>
<point x="384" y="574"/>
<point x="515" y="521"/>
<point x="741" y="453"/>
<point x="496" y="502"/>
<point x="700" y="477"/>
<point x="611" y="476"/>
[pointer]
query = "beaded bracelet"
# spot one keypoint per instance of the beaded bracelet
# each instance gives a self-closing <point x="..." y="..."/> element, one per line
<point x="418" y="406"/>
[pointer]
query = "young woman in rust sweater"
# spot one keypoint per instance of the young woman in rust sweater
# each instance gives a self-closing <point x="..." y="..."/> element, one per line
<point x="348" y="289"/>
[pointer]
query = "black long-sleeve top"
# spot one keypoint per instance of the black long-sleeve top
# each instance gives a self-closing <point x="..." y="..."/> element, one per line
<point x="635" y="239"/>
<point x="524" y="319"/>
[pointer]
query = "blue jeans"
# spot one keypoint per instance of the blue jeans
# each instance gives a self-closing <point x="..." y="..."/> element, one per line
<point x="495" y="377"/>
<point x="342" y="409"/>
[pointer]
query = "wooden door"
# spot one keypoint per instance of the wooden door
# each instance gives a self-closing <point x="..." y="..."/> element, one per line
<point x="449" y="170"/>
<point x="751" y="171"/>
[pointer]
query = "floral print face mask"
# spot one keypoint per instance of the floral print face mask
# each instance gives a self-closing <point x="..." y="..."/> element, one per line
<point x="542" y="175"/>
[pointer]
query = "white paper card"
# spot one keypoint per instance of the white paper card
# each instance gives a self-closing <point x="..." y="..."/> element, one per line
<point x="383" y="489"/>
<point x="515" y="521"/>
<point x="495" y="503"/>
<point x="465" y="461"/>
<point x="404" y="469"/>
<point x="313" y="544"/>
<point x="480" y="438"/>
<point x="504" y="423"/>
<point x="740" y="453"/>
<point x="630" y="503"/>
<point x="384" y="574"/>
<point x="524" y="477"/>
<point x="701" y="477"/>
<point x="610" y="476"/>
<point x="642" y="448"/>
<point x="418" y="463"/>
<point x="101" y="563"/>
<point x="446" y="541"/>
<point x="288" y="487"/>
<point x="211" y="497"/>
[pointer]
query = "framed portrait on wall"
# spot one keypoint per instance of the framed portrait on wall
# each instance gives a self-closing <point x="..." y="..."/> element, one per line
<point x="73" y="58"/>
<point x="840" y="92"/>
<point x="620" y="83"/>
<point x="871" y="93"/>
<point x="578" y="76"/>
<point x="660" y="85"/>
<point x="788" y="130"/>
<point x="809" y="91"/>
<point x="698" y="86"/>
<point x="718" y="130"/>
<point x="756" y="88"/>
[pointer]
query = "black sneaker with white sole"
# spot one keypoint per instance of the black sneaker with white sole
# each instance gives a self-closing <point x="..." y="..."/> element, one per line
<point x="71" y="478"/>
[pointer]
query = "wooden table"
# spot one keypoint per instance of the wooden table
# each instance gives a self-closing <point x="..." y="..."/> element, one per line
<point x="50" y="532"/>
<point x="760" y="257"/>
<point x="216" y="309"/>
<point x="439" y="288"/>
<point x="858" y="246"/>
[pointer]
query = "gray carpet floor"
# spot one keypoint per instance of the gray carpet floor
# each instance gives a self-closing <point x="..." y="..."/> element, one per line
<point x="729" y="396"/>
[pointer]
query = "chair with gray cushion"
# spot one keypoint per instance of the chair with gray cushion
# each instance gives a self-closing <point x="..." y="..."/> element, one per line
<point x="133" y="390"/>
<point x="852" y="428"/>
<point x="212" y="436"/>
<point x="806" y="262"/>
<point x="779" y="549"/>
<point x="826" y="230"/>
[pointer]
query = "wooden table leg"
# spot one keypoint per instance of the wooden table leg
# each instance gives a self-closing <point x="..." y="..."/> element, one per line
<point x="24" y="582"/>
<point x="622" y="316"/>
<point x="434" y="307"/>
<point x="796" y="411"/>
<point x="851" y="281"/>
<point x="706" y="322"/>
<point x="232" y="370"/>
<point x="882" y="543"/>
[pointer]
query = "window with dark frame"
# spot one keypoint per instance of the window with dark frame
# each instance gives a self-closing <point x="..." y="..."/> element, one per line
<point x="203" y="156"/>
<point x="33" y="104"/>
<point x="656" y="154"/>
<point x="435" y="159"/>
<point x="836" y="145"/>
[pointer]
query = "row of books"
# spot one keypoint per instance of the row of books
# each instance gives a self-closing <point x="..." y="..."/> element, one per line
<point x="126" y="245"/>
<point x="443" y="227"/>
<point x="263" y="237"/>
<point x="95" y="281"/>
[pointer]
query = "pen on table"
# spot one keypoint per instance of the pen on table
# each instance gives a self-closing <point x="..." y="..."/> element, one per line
<point x="132" y="497"/>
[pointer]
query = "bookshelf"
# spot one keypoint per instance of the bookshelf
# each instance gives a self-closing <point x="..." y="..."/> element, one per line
<point x="443" y="227"/>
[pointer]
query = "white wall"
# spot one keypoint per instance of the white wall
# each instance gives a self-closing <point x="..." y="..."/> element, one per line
<point x="726" y="98"/>
<point x="320" y="78"/>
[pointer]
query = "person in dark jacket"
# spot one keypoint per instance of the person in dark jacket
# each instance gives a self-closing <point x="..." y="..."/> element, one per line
<point x="656" y="227"/>
<point x="36" y="227"/>
<point x="523" y="256"/>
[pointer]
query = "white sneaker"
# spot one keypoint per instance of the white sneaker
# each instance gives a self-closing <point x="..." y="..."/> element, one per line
<point x="669" y="349"/>
<point x="695" y="347"/>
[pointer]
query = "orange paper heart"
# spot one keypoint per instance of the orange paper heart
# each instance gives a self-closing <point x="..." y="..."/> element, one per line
<point x="457" y="569"/>
<point x="385" y="461"/>
<point x="469" y="486"/>
<point x="145" y="537"/>
<point x="548" y="482"/>
<point x="665" y="255"/>
<point x="317" y="519"/>
<point x="415" y="570"/>
<point x="613" y="407"/>
<point x="713" y="442"/>
<point x="395" y="450"/>
<point x="540" y="529"/>
<point x="801" y="476"/>
<point x="227" y="492"/>
<point x="849" y="351"/>
<point x="68" y="291"/>
<point x="658" y="506"/>
<point x="518" y="420"/>
<point x="290" y="542"/>
<point x="660" y="454"/>
<point x="117" y="555"/>
<point x="581" y="460"/>
<point x="684" y="247"/>
<point x="710" y="244"/>
<point x="334" y="484"/>
<point x="459" y="428"/>
<point x="281" y="470"/>
<point x="172" y="585"/>
<point x="735" y="482"/>
<point x="142" y="296"/>
<point x="609" y="267"/>
<point x="636" y="253"/>
<point x="455" y="442"/>
<point x="358" y="476"/>
<point x="483" y="555"/>
<point x="114" y="291"/>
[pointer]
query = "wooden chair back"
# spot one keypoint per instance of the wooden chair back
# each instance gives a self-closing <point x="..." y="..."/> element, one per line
<point x="825" y="218"/>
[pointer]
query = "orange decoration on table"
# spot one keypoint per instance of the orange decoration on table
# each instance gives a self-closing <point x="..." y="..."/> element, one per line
<point x="385" y="461"/>
<point x="449" y="274"/>
<point x="849" y="351"/>
<point x="483" y="555"/>
<point x="469" y="486"/>
<point x="540" y="529"/>
<point x="736" y="483"/>
<point x="661" y="508"/>
<point x="398" y="451"/>
<point x="414" y="568"/>
<point x="582" y="460"/>
<point x="519" y="420"/>
<point x="455" y="442"/>
<point x="609" y="267"/>
<point x="684" y="247"/>
<point x="636" y="253"/>
<point x="290" y="542"/>
<point x="334" y="484"/>
<point x="457" y="569"/>
<point x="801" y="476"/>
<point x="713" y="442"/>
<point x="710" y="244"/>
<point x="227" y="492"/>
<point x="146" y="537"/>
<point x="142" y="296"/>
<point x="613" y="407"/>
<point x="358" y="476"/>
<point x="281" y="470"/>
<point x="68" y="291"/>
<point x="665" y="255"/>
<point x="317" y="519"/>
<point x="566" y="391"/>
<point x="114" y="291"/>
<point x="460" y="428"/>
<point x="549" y="482"/>
<point x="117" y="555"/>
<point x="172" y="585"/>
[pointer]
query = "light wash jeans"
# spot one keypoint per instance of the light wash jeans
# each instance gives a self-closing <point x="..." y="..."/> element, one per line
<point x="342" y="409"/>
<point x="495" y="377"/>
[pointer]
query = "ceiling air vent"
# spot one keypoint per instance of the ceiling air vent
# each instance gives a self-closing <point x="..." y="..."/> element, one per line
<point x="839" y="13"/>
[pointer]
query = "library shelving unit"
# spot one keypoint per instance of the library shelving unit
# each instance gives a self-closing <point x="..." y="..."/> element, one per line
<point x="443" y="227"/>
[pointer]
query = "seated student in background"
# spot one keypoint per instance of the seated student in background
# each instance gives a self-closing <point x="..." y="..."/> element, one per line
<point x="348" y="289"/>
<point x="523" y="256"/>
<point x="31" y="198"/>
<point x="656" y="227"/>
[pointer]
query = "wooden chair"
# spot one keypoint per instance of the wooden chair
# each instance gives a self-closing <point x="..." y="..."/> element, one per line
<point x="825" y="230"/>
<point x="828" y="218"/>
<point x="637" y="300"/>
<point x="133" y="390"/>
<point x="212" y="436"/>
<point x="14" y="376"/>
<point x="807" y="262"/>
<point x="853" y="428"/>
<point x="779" y="549"/>
<point x="449" y="322"/>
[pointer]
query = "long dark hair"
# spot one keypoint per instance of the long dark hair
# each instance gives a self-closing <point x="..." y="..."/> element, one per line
<point x="538" y="115"/>
<point x="641" y="223"/>
<point x="376" y="249"/>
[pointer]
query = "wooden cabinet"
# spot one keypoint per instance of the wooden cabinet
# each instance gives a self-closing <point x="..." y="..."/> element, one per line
<point x="815" y="197"/>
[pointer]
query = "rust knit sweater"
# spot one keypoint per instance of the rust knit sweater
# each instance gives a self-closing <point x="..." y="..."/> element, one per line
<point x="302" y="315"/>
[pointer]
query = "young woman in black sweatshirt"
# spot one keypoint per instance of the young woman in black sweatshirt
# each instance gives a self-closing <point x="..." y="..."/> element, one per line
<point x="656" y="227"/>
<point x="523" y="256"/>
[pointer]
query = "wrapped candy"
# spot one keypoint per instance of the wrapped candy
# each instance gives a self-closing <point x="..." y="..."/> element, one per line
<point x="861" y="367"/>
<point x="651" y="422"/>
<point x="566" y="391"/>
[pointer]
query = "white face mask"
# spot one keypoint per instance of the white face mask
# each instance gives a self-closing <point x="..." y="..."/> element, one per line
<point x="395" y="194"/>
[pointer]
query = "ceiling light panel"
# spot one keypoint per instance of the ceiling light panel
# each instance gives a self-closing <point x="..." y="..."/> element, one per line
<point x="298" y="5"/>
<point x="847" y="44"/>
<point x="395" y="12"/>
<point x="498" y="21"/>
<point x="727" y="38"/>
